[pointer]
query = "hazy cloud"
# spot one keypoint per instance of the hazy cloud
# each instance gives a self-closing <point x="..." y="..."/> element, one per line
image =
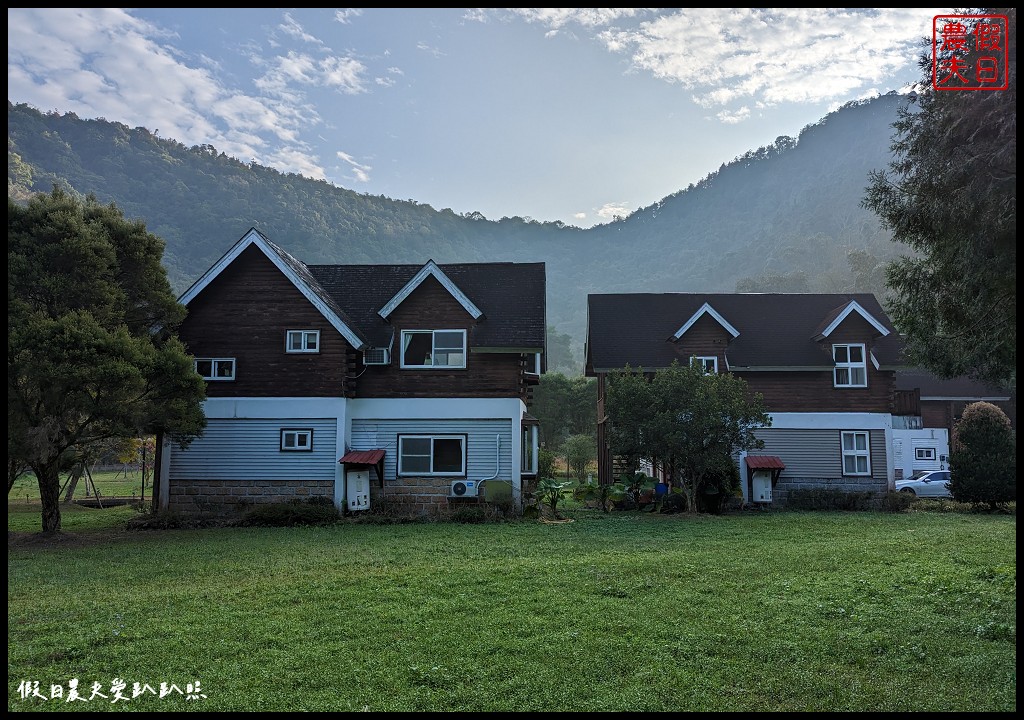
<point x="359" y="171"/>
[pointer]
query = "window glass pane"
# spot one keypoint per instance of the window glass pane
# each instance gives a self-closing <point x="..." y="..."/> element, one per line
<point x="842" y="376"/>
<point x="204" y="368"/>
<point x="849" y="464"/>
<point x="449" y="359"/>
<point x="415" y="464"/>
<point x="840" y="353"/>
<point x="311" y="341"/>
<point x="294" y="341"/>
<point x="289" y="440"/>
<point x="416" y="350"/>
<point x="847" y="441"/>
<point x="448" y="455"/>
<point x="302" y="440"/>
<point x="856" y="354"/>
<point x="225" y="368"/>
<point x="862" y="441"/>
<point x="862" y="464"/>
<point x="448" y="340"/>
<point x="859" y="376"/>
<point x="416" y="446"/>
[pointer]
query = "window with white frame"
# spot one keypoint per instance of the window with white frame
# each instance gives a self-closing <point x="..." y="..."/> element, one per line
<point x="530" y="450"/>
<point x="856" y="453"/>
<point x="302" y="341"/>
<point x="433" y="349"/>
<point x="924" y="453"/>
<point x="851" y="365"/>
<point x="215" y="368"/>
<point x="296" y="439"/>
<point x="432" y="455"/>
<point x="707" y="364"/>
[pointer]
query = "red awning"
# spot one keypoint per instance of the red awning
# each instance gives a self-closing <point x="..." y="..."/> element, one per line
<point x="765" y="462"/>
<point x="363" y="457"/>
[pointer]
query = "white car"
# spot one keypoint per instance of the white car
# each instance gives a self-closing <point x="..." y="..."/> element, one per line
<point x="926" y="483"/>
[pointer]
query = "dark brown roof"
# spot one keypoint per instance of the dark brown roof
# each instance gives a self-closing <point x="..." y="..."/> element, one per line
<point x="510" y="295"/>
<point x="775" y="329"/>
<point x="961" y="388"/>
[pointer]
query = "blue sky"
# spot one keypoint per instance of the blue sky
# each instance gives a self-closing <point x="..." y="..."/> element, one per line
<point x="571" y="114"/>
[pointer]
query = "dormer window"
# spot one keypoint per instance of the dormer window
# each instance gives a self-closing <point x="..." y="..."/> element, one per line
<point x="707" y="364"/>
<point x="851" y="365"/>
<point x="436" y="349"/>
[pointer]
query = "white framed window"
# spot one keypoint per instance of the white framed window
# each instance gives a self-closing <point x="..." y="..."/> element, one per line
<point x="432" y="455"/>
<point x="433" y="349"/>
<point x="302" y="341"/>
<point x="707" y="364"/>
<point x="924" y="453"/>
<point x="215" y="368"/>
<point x="531" y="450"/>
<point x="533" y="363"/>
<point x="851" y="365"/>
<point x="296" y="439"/>
<point x="856" y="453"/>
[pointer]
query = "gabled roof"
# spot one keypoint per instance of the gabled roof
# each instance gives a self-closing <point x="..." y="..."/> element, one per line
<point x="773" y="330"/>
<point x="510" y="297"/>
<point x="705" y="308"/>
<point x="836" y="317"/>
<point x="294" y="270"/>
<point x="430" y="270"/>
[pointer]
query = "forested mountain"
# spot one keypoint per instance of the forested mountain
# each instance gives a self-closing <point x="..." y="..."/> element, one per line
<point x="782" y="217"/>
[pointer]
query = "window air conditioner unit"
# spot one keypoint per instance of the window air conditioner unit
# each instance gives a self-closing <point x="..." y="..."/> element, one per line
<point x="464" y="488"/>
<point x="377" y="356"/>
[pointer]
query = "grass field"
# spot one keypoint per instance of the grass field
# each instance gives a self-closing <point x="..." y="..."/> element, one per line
<point x="111" y="484"/>
<point x="768" y="611"/>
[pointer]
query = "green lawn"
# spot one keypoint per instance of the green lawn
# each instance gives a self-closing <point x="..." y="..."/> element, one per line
<point x="110" y="483"/>
<point x="768" y="611"/>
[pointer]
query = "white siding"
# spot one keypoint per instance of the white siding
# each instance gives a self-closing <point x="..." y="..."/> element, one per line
<point x="248" y="449"/>
<point x="480" y="441"/>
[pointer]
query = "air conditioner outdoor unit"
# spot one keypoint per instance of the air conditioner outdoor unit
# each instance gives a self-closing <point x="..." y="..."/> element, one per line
<point x="377" y="356"/>
<point x="464" y="488"/>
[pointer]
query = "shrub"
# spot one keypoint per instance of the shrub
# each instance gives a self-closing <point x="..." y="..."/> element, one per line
<point x="827" y="499"/>
<point x="983" y="462"/>
<point x="897" y="502"/>
<point x="311" y="511"/>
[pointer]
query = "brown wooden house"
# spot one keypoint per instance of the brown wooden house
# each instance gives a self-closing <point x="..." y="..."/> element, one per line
<point x="825" y="364"/>
<point x="366" y="384"/>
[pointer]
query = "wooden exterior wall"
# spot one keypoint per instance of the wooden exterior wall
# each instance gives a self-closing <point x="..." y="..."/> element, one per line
<point x="431" y="307"/>
<point x="705" y="338"/>
<point x="244" y="314"/>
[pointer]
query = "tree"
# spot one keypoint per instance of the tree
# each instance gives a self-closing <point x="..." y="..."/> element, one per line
<point x="561" y="353"/>
<point x="983" y="458"/>
<point x="91" y="350"/>
<point x="691" y="421"/>
<point x="580" y="451"/>
<point x="565" y="406"/>
<point x="951" y="195"/>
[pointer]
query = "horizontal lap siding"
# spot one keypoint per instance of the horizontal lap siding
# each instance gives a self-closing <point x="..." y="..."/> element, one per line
<point x="817" y="453"/>
<point x="250" y="450"/>
<point x="371" y="434"/>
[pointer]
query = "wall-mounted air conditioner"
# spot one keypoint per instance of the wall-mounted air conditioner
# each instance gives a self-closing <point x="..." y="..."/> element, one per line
<point x="377" y="356"/>
<point x="464" y="488"/>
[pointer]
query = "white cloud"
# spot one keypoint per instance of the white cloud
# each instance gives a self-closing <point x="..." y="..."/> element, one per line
<point x="755" y="55"/>
<point x="360" y="172"/>
<point x="291" y="27"/>
<point x="345" y="15"/>
<point x="610" y="211"/>
<point x="733" y="117"/>
<point x="580" y="216"/>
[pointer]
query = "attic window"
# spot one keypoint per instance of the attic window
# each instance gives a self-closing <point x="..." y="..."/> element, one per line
<point x="433" y="348"/>
<point x="302" y="341"/>
<point x="851" y="366"/>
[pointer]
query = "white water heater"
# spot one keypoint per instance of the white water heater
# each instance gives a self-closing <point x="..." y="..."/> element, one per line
<point x="357" y="489"/>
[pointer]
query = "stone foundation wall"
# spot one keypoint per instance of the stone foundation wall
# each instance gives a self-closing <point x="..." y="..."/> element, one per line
<point x="415" y="496"/>
<point x="190" y="496"/>
<point x="847" y="484"/>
